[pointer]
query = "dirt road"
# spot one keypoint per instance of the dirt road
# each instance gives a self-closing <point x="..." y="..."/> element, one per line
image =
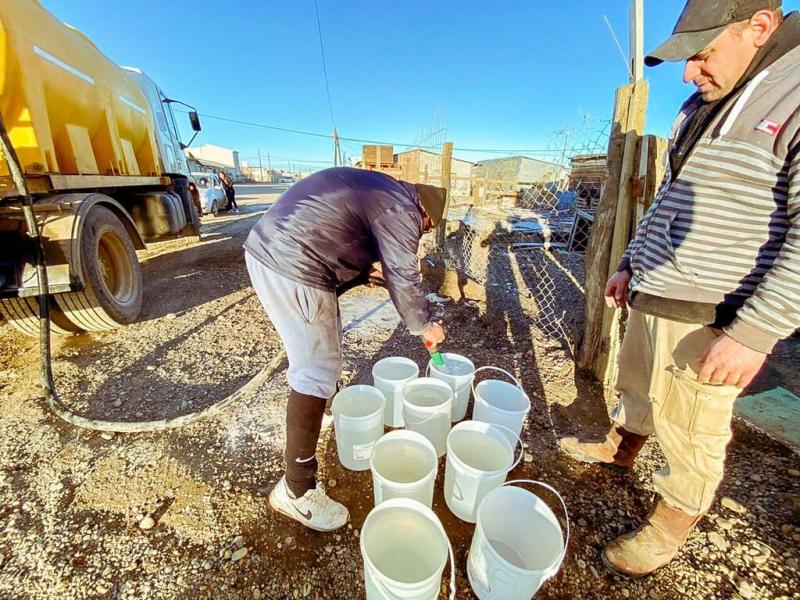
<point x="72" y="502"/>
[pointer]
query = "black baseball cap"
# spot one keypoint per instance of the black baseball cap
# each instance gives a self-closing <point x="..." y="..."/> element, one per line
<point x="701" y="22"/>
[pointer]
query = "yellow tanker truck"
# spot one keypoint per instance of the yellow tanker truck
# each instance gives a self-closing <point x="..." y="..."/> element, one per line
<point x="104" y="165"/>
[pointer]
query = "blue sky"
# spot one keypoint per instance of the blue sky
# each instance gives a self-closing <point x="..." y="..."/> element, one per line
<point x="501" y="75"/>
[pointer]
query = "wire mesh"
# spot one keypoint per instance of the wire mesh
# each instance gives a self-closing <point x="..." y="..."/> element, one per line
<point x="538" y="214"/>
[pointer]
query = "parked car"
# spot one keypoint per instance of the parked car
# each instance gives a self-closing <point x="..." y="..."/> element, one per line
<point x="212" y="196"/>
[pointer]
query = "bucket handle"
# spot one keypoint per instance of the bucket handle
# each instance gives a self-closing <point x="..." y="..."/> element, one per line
<point x="489" y="368"/>
<point x="431" y="418"/>
<point x="566" y="515"/>
<point x="376" y="579"/>
<point x="519" y="440"/>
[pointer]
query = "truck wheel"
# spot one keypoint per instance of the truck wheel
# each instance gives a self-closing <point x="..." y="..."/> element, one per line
<point x="23" y="315"/>
<point x="113" y="279"/>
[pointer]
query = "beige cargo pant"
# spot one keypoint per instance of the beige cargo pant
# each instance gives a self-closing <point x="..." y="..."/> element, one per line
<point x="660" y="394"/>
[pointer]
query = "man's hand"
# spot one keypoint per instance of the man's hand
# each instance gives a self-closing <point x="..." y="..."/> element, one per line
<point x="730" y="363"/>
<point x="617" y="289"/>
<point x="433" y="333"/>
<point x="375" y="277"/>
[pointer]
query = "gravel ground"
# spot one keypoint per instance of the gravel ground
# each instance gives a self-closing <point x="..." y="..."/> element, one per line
<point x="184" y="514"/>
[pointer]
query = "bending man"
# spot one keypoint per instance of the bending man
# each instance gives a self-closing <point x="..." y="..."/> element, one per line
<point x="322" y="235"/>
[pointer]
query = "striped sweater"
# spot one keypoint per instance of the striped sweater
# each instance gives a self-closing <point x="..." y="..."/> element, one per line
<point x="725" y="229"/>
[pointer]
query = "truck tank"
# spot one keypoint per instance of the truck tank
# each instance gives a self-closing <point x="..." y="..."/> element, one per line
<point x="68" y="108"/>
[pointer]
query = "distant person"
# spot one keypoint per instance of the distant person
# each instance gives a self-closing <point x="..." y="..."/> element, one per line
<point x="230" y="192"/>
<point x="322" y="236"/>
<point x="712" y="278"/>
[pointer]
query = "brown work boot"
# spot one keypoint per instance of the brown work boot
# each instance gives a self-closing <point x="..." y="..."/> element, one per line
<point x="653" y="544"/>
<point x="619" y="447"/>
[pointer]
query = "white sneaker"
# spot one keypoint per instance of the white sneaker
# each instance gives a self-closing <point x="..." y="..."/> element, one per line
<point x="314" y="509"/>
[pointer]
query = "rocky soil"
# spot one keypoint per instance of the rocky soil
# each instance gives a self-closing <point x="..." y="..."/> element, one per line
<point x="184" y="514"/>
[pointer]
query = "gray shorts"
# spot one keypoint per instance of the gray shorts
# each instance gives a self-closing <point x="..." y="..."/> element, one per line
<point x="310" y="326"/>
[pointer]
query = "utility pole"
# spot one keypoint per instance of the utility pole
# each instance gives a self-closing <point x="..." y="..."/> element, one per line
<point x="260" y="167"/>
<point x="637" y="40"/>
<point x="337" y="153"/>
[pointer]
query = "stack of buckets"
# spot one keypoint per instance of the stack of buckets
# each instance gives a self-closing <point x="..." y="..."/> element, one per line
<point x="517" y="544"/>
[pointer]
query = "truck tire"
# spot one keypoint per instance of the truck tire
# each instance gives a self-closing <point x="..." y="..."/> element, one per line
<point x="23" y="315"/>
<point x="112" y="295"/>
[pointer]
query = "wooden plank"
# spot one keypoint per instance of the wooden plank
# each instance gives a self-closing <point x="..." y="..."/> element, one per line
<point x="447" y="163"/>
<point x="629" y="112"/>
<point x="606" y="363"/>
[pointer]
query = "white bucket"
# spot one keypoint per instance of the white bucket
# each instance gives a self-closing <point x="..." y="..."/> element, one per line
<point x="501" y="403"/>
<point x="405" y="550"/>
<point x="427" y="405"/>
<point x="458" y="372"/>
<point x="358" y="423"/>
<point x="517" y="544"/>
<point x="404" y="465"/>
<point x="389" y="375"/>
<point x="479" y="457"/>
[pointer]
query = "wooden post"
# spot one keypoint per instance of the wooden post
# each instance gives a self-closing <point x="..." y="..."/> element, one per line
<point x="637" y="40"/>
<point x="628" y="124"/>
<point x="447" y="163"/>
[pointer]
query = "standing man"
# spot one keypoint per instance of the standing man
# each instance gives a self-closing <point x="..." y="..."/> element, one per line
<point x="322" y="235"/>
<point x="712" y="278"/>
<point x="230" y="191"/>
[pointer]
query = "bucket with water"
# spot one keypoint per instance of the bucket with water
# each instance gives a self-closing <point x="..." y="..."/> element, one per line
<point x="479" y="457"/>
<point x="389" y="375"/>
<point x="517" y="544"/>
<point x="458" y="372"/>
<point x="404" y="465"/>
<point x="501" y="402"/>
<point x="358" y="423"/>
<point x="427" y="405"/>
<point x="405" y="550"/>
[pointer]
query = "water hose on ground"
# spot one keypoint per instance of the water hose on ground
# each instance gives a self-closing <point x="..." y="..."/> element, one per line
<point x="46" y="376"/>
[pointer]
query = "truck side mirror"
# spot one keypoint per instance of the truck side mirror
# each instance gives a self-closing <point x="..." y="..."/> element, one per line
<point x="194" y="119"/>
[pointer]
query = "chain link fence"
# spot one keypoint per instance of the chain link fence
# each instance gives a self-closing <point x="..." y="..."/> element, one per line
<point x="526" y="225"/>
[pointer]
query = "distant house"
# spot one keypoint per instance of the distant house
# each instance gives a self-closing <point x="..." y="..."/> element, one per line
<point x="217" y="157"/>
<point x="523" y="170"/>
<point x="422" y="166"/>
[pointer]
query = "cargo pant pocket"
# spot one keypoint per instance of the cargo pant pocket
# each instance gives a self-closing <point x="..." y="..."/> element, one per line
<point x="697" y="408"/>
<point x="693" y="428"/>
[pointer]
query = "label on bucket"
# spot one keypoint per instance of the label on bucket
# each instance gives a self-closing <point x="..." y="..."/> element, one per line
<point x="362" y="451"/>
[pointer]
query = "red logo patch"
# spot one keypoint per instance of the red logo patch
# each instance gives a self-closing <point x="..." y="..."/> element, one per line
<point x="770" y="127"/>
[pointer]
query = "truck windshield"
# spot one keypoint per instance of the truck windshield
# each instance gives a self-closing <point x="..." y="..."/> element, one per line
<point x="168" y="109"/>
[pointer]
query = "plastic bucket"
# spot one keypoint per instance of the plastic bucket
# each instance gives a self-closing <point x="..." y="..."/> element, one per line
<point x="405" y="549"/>
<point x="403" y="465"/>
<point x="517" y="544"/>
<point x="427" y="405"/>
<point x="501" y="402"/>
<point x="389" y="375"/>
<point x="358" y="423"/>
<point x="479" y="457"/>
<point x="458" y="372"/>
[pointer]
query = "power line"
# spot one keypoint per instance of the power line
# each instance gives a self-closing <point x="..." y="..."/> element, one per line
<point x="328" y="136"/>
<point x="324" y="67"/>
